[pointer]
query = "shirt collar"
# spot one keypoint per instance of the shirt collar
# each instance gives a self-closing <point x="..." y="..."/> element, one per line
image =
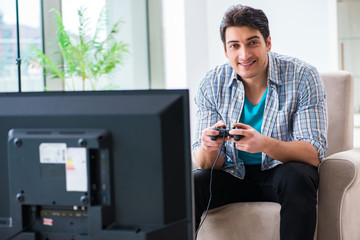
<point x="273" y="70"/>
<point x="233" y="77"/>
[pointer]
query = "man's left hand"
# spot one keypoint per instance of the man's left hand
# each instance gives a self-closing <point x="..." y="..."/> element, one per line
<point x="252" y="141"/>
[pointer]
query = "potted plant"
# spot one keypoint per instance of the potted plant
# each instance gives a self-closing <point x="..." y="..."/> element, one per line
<point x="84" y="57"/>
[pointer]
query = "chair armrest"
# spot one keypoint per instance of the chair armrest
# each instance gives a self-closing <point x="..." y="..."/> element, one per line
<point x="339" y="196"/>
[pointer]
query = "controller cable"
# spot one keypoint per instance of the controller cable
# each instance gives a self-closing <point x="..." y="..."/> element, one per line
<point x="210" y="186"/>
<point x="26" y="228"/>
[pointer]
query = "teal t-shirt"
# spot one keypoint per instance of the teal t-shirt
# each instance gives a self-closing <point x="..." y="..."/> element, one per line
<point x="253" y="116"/>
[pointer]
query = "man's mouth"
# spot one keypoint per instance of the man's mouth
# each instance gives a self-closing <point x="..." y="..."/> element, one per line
<point x="247" y="64"/>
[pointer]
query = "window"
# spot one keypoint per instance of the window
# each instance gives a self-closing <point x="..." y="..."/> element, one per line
<point x="14" y="45"/>
<point x="8" y="47"/>
<point x="16" y="34"/>
<point x="30" y="32"/>
<point x="134" y="72"/>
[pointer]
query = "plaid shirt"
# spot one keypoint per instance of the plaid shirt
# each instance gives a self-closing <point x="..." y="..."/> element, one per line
<point x="295" y="107"/>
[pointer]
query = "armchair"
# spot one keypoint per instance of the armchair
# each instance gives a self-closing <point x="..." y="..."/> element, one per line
<point x="339" y="188"/>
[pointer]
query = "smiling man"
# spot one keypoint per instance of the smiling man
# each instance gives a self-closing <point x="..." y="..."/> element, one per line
<point x="278" y="104"/>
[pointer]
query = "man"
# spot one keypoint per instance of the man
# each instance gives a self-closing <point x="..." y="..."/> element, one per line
<point x="278" y="104"/>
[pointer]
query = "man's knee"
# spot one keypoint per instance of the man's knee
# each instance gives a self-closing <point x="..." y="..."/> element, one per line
<point x="201" y="177"/>
<point x="298" y="178"/>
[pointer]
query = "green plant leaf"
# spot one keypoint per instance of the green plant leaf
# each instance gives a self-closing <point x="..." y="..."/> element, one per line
<point x="85" y="57"/>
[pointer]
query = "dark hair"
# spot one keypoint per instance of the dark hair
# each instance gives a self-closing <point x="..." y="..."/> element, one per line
<point x="240" y="15"/>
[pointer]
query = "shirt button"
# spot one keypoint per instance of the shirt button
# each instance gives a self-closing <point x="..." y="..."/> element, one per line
<point x="232" y="171"/>
<point x="240" y="97"/>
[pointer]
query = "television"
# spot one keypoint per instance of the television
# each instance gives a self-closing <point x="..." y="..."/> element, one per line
<point x="95" y="165"/>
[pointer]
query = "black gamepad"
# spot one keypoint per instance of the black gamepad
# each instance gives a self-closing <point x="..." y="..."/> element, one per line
<point x="223" y="132"/>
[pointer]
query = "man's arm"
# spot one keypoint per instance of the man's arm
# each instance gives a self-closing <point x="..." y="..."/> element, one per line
<point x="253" y="142"/>
<point x="299" y="151"/>
<point x="205" y="159"/>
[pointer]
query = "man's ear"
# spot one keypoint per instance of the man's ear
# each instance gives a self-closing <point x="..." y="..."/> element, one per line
<point x="225" y="51"/>
<point x="268" y="44"/>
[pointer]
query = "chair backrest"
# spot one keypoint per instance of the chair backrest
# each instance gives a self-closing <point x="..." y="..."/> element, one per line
<point x="340" y="101"/>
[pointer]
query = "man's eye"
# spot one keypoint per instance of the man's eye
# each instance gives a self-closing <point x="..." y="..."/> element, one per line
<point x="234" y="46"/>
<point x="253" y="42"/>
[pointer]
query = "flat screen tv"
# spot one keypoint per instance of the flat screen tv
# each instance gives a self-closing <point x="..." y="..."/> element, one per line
<point x="95" y="165"/>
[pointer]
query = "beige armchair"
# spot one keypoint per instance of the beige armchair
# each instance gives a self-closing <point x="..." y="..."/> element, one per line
<point x="339" y="189"/>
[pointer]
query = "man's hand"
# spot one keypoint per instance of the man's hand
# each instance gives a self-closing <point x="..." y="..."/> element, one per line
<point x="206" y="154"/>
<point x="206" y="143"/>
<point x="252" y="141"/>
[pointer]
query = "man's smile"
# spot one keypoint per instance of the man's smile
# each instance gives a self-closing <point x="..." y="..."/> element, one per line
<point x="247" y="63"/>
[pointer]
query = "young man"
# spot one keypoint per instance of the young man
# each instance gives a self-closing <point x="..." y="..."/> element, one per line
<point x="278" y="104"/>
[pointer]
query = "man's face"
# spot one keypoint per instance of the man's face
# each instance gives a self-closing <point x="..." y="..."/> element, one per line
<point x="246" y="50"/>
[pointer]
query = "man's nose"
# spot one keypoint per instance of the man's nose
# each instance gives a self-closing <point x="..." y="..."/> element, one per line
<point x="244" y="53"/>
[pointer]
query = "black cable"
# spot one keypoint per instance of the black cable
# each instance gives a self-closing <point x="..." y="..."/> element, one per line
<point x="24" y="229"/>
<point x="210" y="187"/>
<point x="15" y="235"/>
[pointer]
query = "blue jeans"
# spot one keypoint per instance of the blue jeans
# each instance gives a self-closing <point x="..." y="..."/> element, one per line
<point x="293" y="185"/>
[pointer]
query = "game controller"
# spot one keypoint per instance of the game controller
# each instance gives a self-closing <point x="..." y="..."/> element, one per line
<point x="223" y="132"/>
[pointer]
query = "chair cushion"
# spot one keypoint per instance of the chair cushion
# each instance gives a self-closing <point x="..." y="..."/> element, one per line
<point x="233" y="221"/>
<point x="340" y="101"/>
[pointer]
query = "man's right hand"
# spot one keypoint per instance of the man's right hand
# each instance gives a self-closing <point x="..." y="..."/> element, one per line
<point x="206" y="143"/>
<point x="206" y="154"/>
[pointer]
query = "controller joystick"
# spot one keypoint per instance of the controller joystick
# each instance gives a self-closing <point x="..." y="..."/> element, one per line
<point x="237" y="137"/>
<point x="223" y="132"/>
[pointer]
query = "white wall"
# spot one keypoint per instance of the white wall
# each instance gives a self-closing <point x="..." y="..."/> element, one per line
<point x="305" y="29"/>
<point x="174" y="44"/>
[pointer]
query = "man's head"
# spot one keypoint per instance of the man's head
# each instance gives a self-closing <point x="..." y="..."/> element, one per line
<point x="245" y="34"/>
<point x="240" y="15"/>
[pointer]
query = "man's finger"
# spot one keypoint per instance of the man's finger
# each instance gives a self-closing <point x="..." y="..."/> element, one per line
<point x="241" y="125"/>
